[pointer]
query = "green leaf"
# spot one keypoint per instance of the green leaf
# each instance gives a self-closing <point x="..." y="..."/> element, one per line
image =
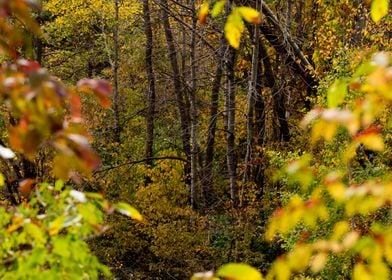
<point x="61" y="247"/>
<point x="364" y="69"/>
<point x="58" y="186"/>
<point x="379" y="9"/>
<point x="36" y="232"/>
<point x="128" y="210"/>
<point x="239" y="271"/>
<point x="336" y="93"/>
<point x="218" y="8"/>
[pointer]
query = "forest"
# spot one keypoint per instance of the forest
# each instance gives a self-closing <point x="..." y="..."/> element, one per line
<point x="196" y="139"/>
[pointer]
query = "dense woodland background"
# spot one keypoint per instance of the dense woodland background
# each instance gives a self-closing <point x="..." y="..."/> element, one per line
<point x="198" y="131"/>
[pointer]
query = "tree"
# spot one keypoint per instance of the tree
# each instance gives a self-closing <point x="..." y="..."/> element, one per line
<point x="44" y="233"/>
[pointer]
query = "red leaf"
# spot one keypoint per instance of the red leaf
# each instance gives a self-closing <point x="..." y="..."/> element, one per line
<point x="28" y="65"/>
<point x="26" y="186"/>
<point x="76" y="108"/>
<point x="101" y="88"/>
<point x="374" y="129"/>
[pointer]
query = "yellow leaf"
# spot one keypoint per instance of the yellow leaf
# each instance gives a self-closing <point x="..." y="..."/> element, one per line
<point x="233" y="28"/>
<point x="233" y="35"/>
<point x="17" y="222"/>
<point x="361" y="273"/>
<point x="379" y="9"/>
<point x="340" y="229"/>
<point x="218" y="7"/>
<point x="250" y="15"/>
<point x="372" y="141"/>
<point x="128" y="210"/>
<point x="239" y="271"/>
<point x="56" y="226"/>
<point x="319" y="262"/>
<point x="299" y="258"/>
<point x="203" y="13"/>
<point x="281" y="270"/>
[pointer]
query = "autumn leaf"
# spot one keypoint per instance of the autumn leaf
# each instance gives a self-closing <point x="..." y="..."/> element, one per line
<point x="239" y="271"/>
<point x="26" y="186"/>
<point x="233" y="28"/>
<point x="250" y="15"/>
<point x="101" y="88"/>
<point x="203" y="13"/>
<point x="379" y="9"/>
<point x="218" y="8"/>
<point x="127" y="210"/>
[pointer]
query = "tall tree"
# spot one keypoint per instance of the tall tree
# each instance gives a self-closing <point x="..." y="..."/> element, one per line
<point x="208" y="182"/>
<point x="178" y="86"/>
<point x="117" y="128"/>
<point x="230" y="124"/>
<point x="193" y="109"/>
<point x="150" y="116"/>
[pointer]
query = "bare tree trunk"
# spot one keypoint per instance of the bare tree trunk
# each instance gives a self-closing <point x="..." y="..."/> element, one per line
<point x="178" y="87"/>
<point x="193" y="111"/>
<point x="251" y="104"/>
<point x="260" y="123"/>
<point x="117" y="129"/>
<point x="38" y="49"/>
<point x="359" y="23"/>
<point x="208" y="184"/>
<point x="150" y="83"/>
<point x="230" y="135"/>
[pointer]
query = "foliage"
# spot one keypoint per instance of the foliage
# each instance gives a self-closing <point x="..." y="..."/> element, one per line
<point x="45" y="234"/>
<point x="234" y="26"/>
<point x="341" y="224"/>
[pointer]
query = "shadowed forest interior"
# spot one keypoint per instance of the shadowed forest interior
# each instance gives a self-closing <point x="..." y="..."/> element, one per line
<point x="250" y="133"/>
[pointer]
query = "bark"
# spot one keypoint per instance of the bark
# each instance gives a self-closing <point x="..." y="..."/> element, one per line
<point x="267" y="75"/>
<point x="149" y="152"/>
<point x="230" y="135"/>
<point x="280" y="110"/>
<point x="258" y="176"/>
<point x="38" y="49"/>
<point x="193" y="111"/>
<point x="178" y="87"/>
<point x="288" y="14"/>
<point x="282" y="40"/>
<point x="278" y="44"/>
<point x="208" y="181"/>
<point x="296" y="53"/>
<point x="359" y="23"/>
<point x="117" y="129"/>
<point x="251" y="105"/>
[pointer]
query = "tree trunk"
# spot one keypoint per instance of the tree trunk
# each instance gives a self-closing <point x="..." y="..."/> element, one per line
<point x="208" y="180"/>
<point x="230" y="135"/>
<point x="193" y="111"/>
<point x="251" y="104"/>
<point x="258" y="176"/>
<point x="149" y="153"/>
<point x="117" y="129"/>
<point x="178" y="88"/>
